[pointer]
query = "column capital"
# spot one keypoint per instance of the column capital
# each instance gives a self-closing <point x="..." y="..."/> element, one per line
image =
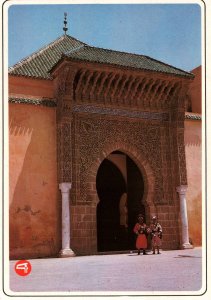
<point x="182" y="189"/>
<point x="65" y="187"/>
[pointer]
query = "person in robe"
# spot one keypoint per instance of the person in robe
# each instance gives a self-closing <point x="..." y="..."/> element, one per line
<point x="156" y="235"/>
<point x="140" y="230"/>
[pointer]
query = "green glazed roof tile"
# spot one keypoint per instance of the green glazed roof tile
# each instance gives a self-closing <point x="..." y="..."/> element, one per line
<point x="40" y="63"/>
<point x="129" y="60"/>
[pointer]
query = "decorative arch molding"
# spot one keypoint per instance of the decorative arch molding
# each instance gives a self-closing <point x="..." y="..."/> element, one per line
<point x="139" y="160"/>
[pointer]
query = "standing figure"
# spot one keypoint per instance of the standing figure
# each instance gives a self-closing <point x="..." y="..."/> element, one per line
<point x="141" y="230"/>
<point x="156" y="234"/>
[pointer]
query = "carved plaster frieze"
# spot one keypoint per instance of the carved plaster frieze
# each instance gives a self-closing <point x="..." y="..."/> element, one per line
<point x="95" y="135"/>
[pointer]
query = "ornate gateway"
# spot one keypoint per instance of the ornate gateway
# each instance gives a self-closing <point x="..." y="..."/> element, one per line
<point x="111" y="102"/>
<point x="120" y="131"/>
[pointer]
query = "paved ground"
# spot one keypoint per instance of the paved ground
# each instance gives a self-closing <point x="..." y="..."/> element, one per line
<point x="179" y="270"/>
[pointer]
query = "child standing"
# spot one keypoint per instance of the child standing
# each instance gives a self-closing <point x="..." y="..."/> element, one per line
<point x="141" y="230"/>
<point x="156" y="234"/>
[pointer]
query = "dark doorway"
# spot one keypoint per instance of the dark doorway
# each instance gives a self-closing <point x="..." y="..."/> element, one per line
<point x="111" y="185"/>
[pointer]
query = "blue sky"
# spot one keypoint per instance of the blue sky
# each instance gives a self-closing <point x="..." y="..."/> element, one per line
<point x="167" y="32"/>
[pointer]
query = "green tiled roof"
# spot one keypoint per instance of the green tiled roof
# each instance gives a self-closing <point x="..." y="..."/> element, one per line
<point x="40" y="63"/>
<point x="128" y="60"/>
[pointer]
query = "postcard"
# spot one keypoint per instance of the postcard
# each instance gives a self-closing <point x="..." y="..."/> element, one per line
<point x="105" y="149"/>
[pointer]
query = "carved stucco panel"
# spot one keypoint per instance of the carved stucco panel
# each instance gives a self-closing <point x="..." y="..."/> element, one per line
<point x="64" y="152"/>
<point x="166" y="164"/>
<point x="182" y="158"/>
<point x="95" y="134"/>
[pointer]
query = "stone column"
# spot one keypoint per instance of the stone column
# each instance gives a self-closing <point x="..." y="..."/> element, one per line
<point x="184" y="217"/>
<point x="66" y="251"/>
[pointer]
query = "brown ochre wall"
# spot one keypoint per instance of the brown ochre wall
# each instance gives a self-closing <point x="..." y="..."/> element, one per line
<point x="34" y="207"/>
<point x="195" y="91"/>
<point x="193" y="151"/>
<point x="30" y="87"/>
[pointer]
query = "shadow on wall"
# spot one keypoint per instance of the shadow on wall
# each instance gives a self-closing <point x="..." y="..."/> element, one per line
<point x="192" y="140"/>
<point x="19" y="140"/>
<point x="34" y="218"/>
<point x="18" y="130"/>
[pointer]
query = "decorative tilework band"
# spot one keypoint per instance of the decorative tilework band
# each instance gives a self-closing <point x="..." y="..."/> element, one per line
<point x="43" y="102"/>
<point x="121" y="112"/>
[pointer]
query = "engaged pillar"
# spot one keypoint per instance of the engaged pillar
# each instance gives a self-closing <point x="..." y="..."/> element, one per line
<point x="184" y="217"/>
<point x="66" y="251"/>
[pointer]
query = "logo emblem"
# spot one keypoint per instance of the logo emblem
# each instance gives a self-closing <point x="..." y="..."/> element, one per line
<point x="23" y="267"/>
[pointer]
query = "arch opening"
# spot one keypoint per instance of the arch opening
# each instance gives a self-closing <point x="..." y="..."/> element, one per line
<point x="120" y="189"/>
